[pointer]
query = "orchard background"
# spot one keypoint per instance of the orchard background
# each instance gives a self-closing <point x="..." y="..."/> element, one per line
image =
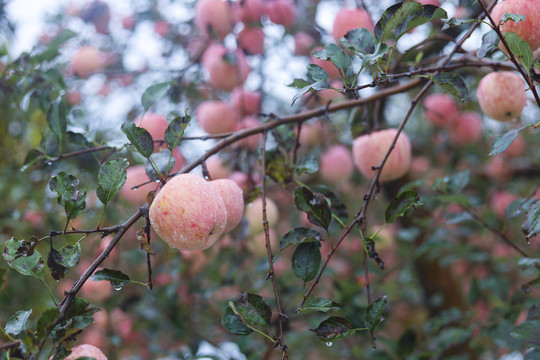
<point x="392" y="199"/>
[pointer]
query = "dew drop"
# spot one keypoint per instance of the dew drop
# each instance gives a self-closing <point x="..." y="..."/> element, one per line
<point x="49" y="163"/>
<point x="329" y="343"/>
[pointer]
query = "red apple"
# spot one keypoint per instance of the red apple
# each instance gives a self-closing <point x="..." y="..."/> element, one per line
<point x="501" y="95"/>
<point x="528" y="30"/>
<point x="440" y="109"/>
<point x="303" y="43"/>
<point x="227" y="69"/>
<point x="247" y="102"/>
<point x="136" y="175"/>
<point x="214" y="17"/>
<point x="281" y="12"/>
<point x="350" y="19"/>
<point x="216" y="117"/>
<point x="336" y="164"/>
<point x="251" y="40"/>
<point x="466" y="128"/>
<point x="86" y="61"/>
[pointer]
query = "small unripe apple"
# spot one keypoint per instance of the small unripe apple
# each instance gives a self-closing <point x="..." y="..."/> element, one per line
<point x="227" y="69"/>
<point x="466" y="128"/>
<point x="254" y="215"/>
<point x="216" y="117"/>
<point x="336" y="164"/>
<point x="155" y="124"/>
<point x="247" y="102"/>
<point x="233" y="199"/>
<point x="501" y="95"/>
<point x="369" y="150"/>
<point x="136" y="175"/>
<point x="528" y="30"/>
<point x="86" y="61"/>
<point x="350" y="19"/>
<point x="281" y="12"/>
<point x="188" y="213"/>
<point x="440" y="109"/>
<point x="86" y="350"/>
<point x="251" y="40"/>
<point x="214" y="17"/>
<point x="303" y="43"/>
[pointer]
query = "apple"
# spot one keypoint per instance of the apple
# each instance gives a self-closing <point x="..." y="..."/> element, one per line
<point x="327" y="65"/>
<point x="97" y="291"/>
<point x="369" y="150"/>
<point x="155" y="124"/>
<point x="99" y="14"/>
<point x="233" y="199"/>
<point x="136" y="175"/>
<point x="312" y="133"/>
<point x="350" y="19"/>
<point x="227" y="69"/>
<point x="73" y="97"/>
<point x="466" y="128"/>
<point x="86" y="61"/>
<point x="517" y="148"/>
<point x="216" y="168"/>
<point x="86" y="350"/>
<point x="247" y="102"/>
<point x="430" y="2"/>
<point x="214" y="17"/>
<point x="440" y="109"/>
<point x="216" y="117"/>
<point x="303" y="43"/>
<point x="128" y="22"/>
<point x="251" y="40"/>
<point x="281" y="12"/>
<point x="500" y="201"/>
<point x="253" y="215"/>
<point x="245" y="181"/>
<point x="336" y="164"/>
<point x="252" y="10"/>
<point x="162" y="27"/>
<point x="501" y="95"/>
<point x="528" y="30"/>
<point x="188" y="213"/>
<point x="251" y="142"/>
<point x="331" y="94"/>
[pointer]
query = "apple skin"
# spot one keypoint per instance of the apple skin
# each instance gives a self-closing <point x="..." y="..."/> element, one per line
<point x="528" y="30"/>
<point x="500" y="201"/>
<point x="303" y="43"/>
<point x="225" y="75"/>
<point x="253" y="215"/>
<point x="466" y="128"/>
<point x="281" y="12"/>
<point x="251" y="40"/>
<point x="336" y="164"/>
<point x="214" y="17"/>
<point x="86" y="61"/>
<point x="327" y="65"/>
<point x="188" y="213"/>
<point x="501" y="95"/>
<point x="247" y="102"/>
<point x="252" y="10"/>
<point x="233" y="199"/>
<point x="350" y="19"/>
<point x="136" y="175"/>
<point x="97" y="291"/>
<point x="155" y="124"/>
<point x="86" y="350"/>
<point x="216" y="117"/>
<point x="369" y="150"/>
<point x="216" y="168"/>
<point x="440" y="109"/>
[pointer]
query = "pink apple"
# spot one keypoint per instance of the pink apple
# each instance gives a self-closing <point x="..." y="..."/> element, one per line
<point x="331" y="94"/>
<point x="247" y="102"/>
<point x="251" y="142"/>
<point x="155" y="124"/>
<point x="216" y="117"/>
<point x="369" y="150"/>
<point x="312" y="134"/>
<point x="128" y="22"/>
<point x="251" y="40"/>
<point x="517" y="148"/>
<point x="501" y="95"/>
<point x="86" y="61"/>
<point x="252" y="10"/>
<point x="254" y="215"/>
<point x="430" y="2"/>
<point x="500" y="201"/>
<point x="227" y="69"/>
<point x="336" y="164"/>
<point x="528" y="30"/>
<point x="466" y="128"/>
<point x="96" y="291"/>
<point x="214" y="17"/>
<point x="216" y="168"/>
<point x="188" y="213"/>
<point x="136" y="175"/>
<point x="233" y="199"/>
<point x="303" y="43"/>
<point x="162" y="28"/>
<point x="350" y="19"/>
<point x="327" y="65"/>
<point x="73" y="97"/>
<point x="281" y="12"/>
<point x="86" y="350"/>
<point x="440" y="109"/>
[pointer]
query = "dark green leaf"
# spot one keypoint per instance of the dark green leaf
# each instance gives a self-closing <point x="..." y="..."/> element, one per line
<point x="337" y="206"/>
<point x="399" y="205"/>
<point x="454" y="183"/>
<point x="521" y="50"/>
<point x="490" y="42"/>
<point x="57" y="119"/>
<point x="315" y="205"/>
<point x="453" y="83"/>
<point x="18" y="322"/>
<point x="374" y="312"/>
<point x="31" y="158"/>
<point x="69" y="196"/>
<point x="518" y="207"/>
<point x="512" y="17"/>
<point x="312" y="87"/>
<point x="306" y="261"/>
<point x="299" y="235"/>
<point x="254" y="310"/>
<point x="455" y="22"/>
<point x="531" y="226"/>
<point x="53" y="262"/>
<point x="175" y="131"/>
<point x="278" y="167"/>
<point x="164" y="162"/>
<point x="139" y="138"/>
<point x="28" y="265"/>
<point x="528" y="332"/>
<point x="232" y="323"/>
<point x="70" y="254"/>
<point x="284" y="136"/>
<point x="299" y="83"/>
<point x="307" y="165"/>
<point x="321" y="304"/>
<point x="338" y="57"/>
<point x="360" y="41"/>
<point x="117" y="278"/>
<point x="334" y="328"/>
<point x="317" y="74"/>
<point x="503" y="142"/>
<point x="406" y="344"/>
<point x="112" y="176"/>
<point x="47" y="318"/>
<point x="154" y="93"/>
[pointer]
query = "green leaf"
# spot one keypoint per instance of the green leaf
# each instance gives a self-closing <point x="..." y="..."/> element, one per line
<point x="299" y="83"/>
<point x="57" y="119"/>
<point x="139" y="138"/>
<point x="334" y="328"/>
<point x="503" y="142"/>
<point x="360" y="41"/>
<point x="315" y="205"/>
<point x="374" y="312"/>
<point x="175" y="131"/>
<point x="298" y="236"/>
<point x="254" y="310"/>
<point x="25" y="264"/>
<point x="47" y="318"/>
<point x="164" y="162"/>
<point x="52" y="50"/>
<point x="452" y="83"/>
<point x="117" y="278"/>
<point x="69" y="196"/>
<point x="306" y="261"/>
<point x="31" y="158"/>
<point x="153" y="93"/>
<point x="70" y="254"/>
<point x="278" y="167"/>
<point x="337" y="206"/>
<point x="399" y="205"/>
<point x="111" y="177"/>
<point x="453" y="22"/>
<point x="317" y="73"/>
<point x="528" y="332"/>
<point x="317" y="86"/>
<point x="512" y="17"/>
<point x="233" y="324"/>
<point x="338" y="57"/>
<point x="531" y="226"/>
<point x="454" y="183"/>
<point x="18" y="322"/>
<point x="321" y="304"/>
<point x="404" y="16"/>
<point x="406" y="344"/>
<point x="307" y="165"/>
<point x="490" y="43"/>
<point x="521" y="50"/>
